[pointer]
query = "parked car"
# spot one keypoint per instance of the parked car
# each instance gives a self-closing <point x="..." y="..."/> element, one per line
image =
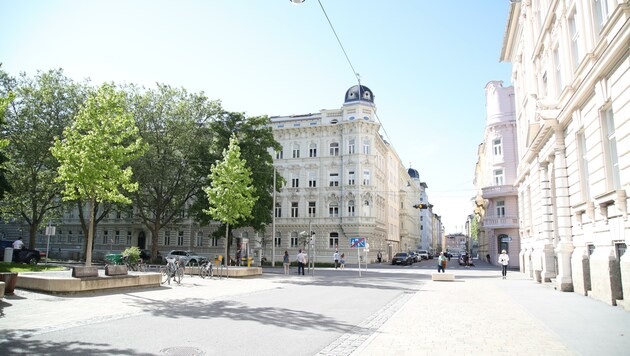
<point x="402" y="258"/>
<point x="23" y="255"/>
<point x="414" y="257"/>
<point x="424" y="254"/>
<point x="188" y="257"/>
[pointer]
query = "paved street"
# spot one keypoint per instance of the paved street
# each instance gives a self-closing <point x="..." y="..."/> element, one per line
<point x="388" y="310"/>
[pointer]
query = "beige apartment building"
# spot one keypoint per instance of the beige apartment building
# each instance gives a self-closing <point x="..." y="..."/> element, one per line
<point x="570" y="71"/>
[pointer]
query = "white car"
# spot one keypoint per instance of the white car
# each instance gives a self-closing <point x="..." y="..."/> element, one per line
<point x="424" y="254"/>
<point x="188" y="257"/>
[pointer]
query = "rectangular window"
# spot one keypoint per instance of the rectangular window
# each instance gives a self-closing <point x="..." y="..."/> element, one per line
<point x="366" y="177"/>
<point x="497" y="147"/>
<point x="333" y="242"/>
<point x="612" y="158"/>
<point x="351" y="208"/>
<point x="312" y="151"/>
<point x="351" y="147"/>
<point x="334" y="179"/>
<point x="278" y="241"/>
<point x="279" y="154"/>
<point x="312" y="179"/>
<point x="574" y="33"/>
<point x="128" y="238"/>
<point x="214" y="241"/>
<point x="333" y="210"/>
<point x="295" y="181"/>
<point x="601" y="14"/>
<point x="544" y="85"/>
<point x="558" y="72"/>
<point x="199" y="239"/>
<point x="105" y="237"/>
<point x="498" y="177"/>
<point x="278" y="210"/>
<point x="351" y="178"/>
<point x="294" y="209"/>
<point x="312" y="209"/>
<point x="180" y="238"/>
<point x="296" y="152"/>
<point x="334" y="149"/>
<point x="583" y="166"/>
<point x="167" y="238"/>
<point x="117" y="238"/>
<point x="294" y="241"/>
<point x="500" y="208"/>
<point x="366" y="147"/>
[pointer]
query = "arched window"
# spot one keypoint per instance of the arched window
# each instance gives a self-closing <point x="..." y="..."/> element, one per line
<point x="351" y="208"/>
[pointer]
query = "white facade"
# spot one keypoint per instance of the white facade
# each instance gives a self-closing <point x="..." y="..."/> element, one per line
<point x="572" y="95"/>
<point x="344" y="181"/>
<point x="497" y="202"/>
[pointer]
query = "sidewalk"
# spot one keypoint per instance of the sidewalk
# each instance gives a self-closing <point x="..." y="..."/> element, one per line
<point x="491" y="316"/>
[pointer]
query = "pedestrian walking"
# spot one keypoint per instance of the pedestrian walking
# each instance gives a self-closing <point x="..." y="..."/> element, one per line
<point x="466" y="259"/>
<point x="342" y="261"/>
<point x="379" y="256"/>
<point x="285" y="262"/>
<point x="336" y="259"/>
<point x="18" y="244"/>
<point x="442" y="262"/>
<point x="301" y="260"/>
<point x="504" y="260"/>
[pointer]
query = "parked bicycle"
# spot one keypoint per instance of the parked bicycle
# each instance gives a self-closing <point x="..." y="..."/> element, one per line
<point x="205" y="270"/>
<point x="172" y="270"/>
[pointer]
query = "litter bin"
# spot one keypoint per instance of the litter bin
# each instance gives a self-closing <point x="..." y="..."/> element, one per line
<point x="10" y="280"/>
<point x="8" y="254"/>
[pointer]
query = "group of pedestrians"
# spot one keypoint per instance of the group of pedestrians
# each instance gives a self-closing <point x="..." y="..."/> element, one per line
<point x="503" y="260"/>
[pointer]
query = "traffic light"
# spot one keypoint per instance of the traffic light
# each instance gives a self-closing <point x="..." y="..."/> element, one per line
<point x="421" y="206"/>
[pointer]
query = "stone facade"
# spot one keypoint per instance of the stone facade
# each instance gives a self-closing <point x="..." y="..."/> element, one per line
<point x="570" y="69"/>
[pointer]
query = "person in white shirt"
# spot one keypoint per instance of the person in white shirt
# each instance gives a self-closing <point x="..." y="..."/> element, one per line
<point x="18" y="244"/>
<point x="336" y="258"/>
<point x="301" y="259"/>
<point x="504" y="260"/>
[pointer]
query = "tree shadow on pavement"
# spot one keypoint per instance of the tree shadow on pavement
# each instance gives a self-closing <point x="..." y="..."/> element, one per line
<point x="14" y="343"/>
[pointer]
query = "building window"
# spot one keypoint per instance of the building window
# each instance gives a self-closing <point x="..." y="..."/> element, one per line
<point x="333" y="210"/>
<point x="497" y="147"/>
<point x="312" y="179"/>
<point x="366" y="177"/>
<point x="333" y="240"/>
<point x="351" y="146"/>
<point x="128" y="238"/>
<point x="575" y="39"/>
<point x="167" y="238"/>
<point x="612" y="158"/>
<point x="295" y="181"/>
<point x="214" y="241"/>
<point x="278" y="210"/>
<point x="279" y="154"/>
<point x="105" y="237"/>
<point x="366" y="147"/>
<point x="543" y="85"/>
<point x="500" y="208"/>
<point x="558" y="72"/>
<point x="116" y="237"/>
<point x="312" y="210"/>
<point x="180" y="238"/>
<point x="294" y="239"/>
<point x="351" y="178"/>
<point x="334" y="149"/>
<point x="296" y="151"/>
<point x="351" y="208"/>
<point x="498" y="177"/>
<point x="366" y="208"/>
<point x="312" y="150"/>
<point x="585" y="189"/>
<point x="294" y="209"/>
<point x="278" y="240"/>
<point x="199" y="239"/>
<point x="601" y="14"/>
<point x="334" y="179"/>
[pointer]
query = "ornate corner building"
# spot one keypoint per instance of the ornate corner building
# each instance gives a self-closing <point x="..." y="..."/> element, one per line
<point x="570" y="71"/>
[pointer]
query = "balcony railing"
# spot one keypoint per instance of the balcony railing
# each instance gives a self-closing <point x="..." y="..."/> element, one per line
<point x="495" y="222"/>
<point x="498" y="191"/>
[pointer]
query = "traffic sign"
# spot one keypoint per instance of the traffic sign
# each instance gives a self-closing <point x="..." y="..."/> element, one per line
<point x="357" y="242"/>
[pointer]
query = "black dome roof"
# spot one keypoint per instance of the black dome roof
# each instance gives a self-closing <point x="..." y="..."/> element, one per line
<point x="413" y="173"/>
<point x="353" y="94"/>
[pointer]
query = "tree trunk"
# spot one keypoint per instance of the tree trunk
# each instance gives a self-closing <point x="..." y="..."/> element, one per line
<point x="227" y="255"/>
<point x="90" y="238"/>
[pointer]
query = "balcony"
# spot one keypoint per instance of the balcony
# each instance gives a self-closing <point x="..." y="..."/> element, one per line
<point x="498" y="191"/>
<point x="500" y="222"/>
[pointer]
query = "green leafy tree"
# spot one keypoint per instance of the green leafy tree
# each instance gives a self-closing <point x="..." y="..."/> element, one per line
<point x="93" y="153"/>
<point x="4" y="184"/>
<point x="231" y="195"/>
<point x="43" y="106"/>
<point x="169" y="174"/>
<point x="256" y="141"/>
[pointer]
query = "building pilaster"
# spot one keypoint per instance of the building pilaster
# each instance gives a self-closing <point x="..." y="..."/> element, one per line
<point x="547" y="254"/>
<point x="564" y="249"/>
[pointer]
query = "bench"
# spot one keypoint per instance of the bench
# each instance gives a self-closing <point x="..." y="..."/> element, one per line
<point x="449" y="277"/>
<point x="115" y="270"/>
<point x="83" y="271"/>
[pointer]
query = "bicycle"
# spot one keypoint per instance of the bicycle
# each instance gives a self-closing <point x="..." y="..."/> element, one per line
<point x="205" y="270"/>
<point x="172" y="270"/>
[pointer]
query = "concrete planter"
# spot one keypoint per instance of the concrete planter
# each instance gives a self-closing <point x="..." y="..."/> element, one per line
<point x="10" y="280"/>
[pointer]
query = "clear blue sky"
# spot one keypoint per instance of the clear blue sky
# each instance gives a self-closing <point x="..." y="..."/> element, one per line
<point x="427" y="63"/>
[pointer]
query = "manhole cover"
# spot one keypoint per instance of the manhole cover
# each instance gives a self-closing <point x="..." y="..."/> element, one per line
<point x="182" y="351"/>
